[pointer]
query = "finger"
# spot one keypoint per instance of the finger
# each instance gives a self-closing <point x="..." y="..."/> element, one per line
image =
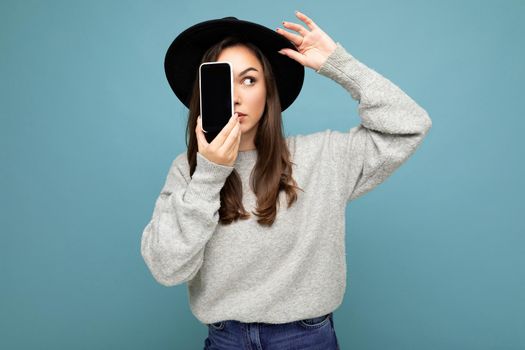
<point x="201" y="138"/>
<point x="297" y="27"/>
<point x="232" y="137"/>
<point x="306" y="20"/>
<point x="229" y="144"/>
<point x="238" y="141"/>
<point x="299" y="57"/>
<point x="294" y="38"/>
<point x="223" y="134"/>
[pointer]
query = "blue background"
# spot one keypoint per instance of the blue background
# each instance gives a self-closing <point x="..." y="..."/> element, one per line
<point x="89" y="127"/>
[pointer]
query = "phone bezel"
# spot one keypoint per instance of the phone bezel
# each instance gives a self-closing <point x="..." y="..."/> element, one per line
<point x="200" y="90"/>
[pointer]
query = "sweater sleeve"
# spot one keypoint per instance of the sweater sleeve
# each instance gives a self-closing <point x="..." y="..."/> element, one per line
<point x="392" y="125"/>
<point x="184" y="219"/>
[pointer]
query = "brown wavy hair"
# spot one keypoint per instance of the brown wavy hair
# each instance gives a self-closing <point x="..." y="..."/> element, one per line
<point x="272" y="172"/>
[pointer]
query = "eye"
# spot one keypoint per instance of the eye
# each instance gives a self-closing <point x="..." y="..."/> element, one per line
<point x="250" y="78"/>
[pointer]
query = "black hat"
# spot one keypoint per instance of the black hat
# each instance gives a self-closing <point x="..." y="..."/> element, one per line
<point x="185" y="53"/>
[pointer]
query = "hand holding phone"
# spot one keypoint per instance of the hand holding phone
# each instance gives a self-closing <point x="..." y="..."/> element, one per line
<point x="224" y="148"/>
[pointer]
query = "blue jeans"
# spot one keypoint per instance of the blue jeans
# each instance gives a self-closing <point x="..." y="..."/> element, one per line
<point x="316" y="333"/>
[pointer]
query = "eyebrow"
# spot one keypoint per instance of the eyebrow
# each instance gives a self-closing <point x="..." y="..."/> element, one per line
<point x="247" y="70"/>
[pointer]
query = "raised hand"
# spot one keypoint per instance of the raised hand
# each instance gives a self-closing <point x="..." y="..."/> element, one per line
<point x="314" y="45"/>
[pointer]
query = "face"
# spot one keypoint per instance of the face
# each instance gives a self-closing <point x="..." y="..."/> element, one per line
<point x="249" y="88"/>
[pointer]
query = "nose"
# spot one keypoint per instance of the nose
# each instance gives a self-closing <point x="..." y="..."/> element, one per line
<point x="236" y="97"/>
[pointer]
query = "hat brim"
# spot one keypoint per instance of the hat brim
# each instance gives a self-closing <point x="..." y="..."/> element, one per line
<point x="185" y="53"/>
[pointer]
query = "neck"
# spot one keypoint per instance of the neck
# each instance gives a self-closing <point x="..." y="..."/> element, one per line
<point x="247" y="142"/>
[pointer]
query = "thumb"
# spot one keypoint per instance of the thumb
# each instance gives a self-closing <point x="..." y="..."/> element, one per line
<point x="201" y="138"/>
<point x="299" y="57"/>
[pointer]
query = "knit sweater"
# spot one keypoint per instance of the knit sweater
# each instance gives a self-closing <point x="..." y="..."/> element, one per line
<point x="296" y="268"/>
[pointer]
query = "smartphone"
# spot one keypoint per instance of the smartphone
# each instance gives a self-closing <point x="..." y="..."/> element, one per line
<point x="216" y="96"/>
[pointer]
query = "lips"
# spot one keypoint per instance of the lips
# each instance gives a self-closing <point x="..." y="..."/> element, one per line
<point x="240" y="114"/>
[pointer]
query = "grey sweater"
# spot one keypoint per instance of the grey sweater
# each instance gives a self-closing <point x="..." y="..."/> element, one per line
<point x="295" y="269"/>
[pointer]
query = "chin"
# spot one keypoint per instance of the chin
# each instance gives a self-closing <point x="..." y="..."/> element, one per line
<point x="244" y="127"/>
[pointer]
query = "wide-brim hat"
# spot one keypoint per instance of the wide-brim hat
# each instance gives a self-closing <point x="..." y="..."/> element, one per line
<point x="186" y="51"/>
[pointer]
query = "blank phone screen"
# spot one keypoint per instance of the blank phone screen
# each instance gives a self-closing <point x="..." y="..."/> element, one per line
<point x="216" y="99"/>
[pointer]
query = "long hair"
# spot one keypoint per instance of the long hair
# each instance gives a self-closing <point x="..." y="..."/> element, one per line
<point x="272" y="172"/>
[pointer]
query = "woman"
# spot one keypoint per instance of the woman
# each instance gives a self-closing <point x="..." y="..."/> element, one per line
<point x="254" y="221"/>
